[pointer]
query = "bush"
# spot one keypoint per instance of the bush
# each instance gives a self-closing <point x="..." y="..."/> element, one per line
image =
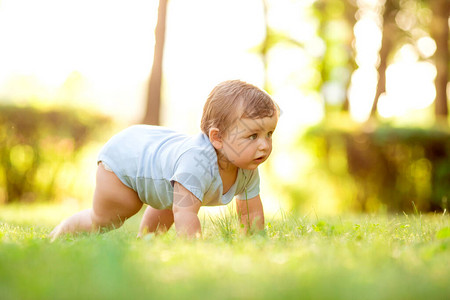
<point x="402" y="169"/>
<point x="36" y="144"/>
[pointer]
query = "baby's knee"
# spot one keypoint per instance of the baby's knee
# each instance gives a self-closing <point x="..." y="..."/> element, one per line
<point x="106" y="222"/>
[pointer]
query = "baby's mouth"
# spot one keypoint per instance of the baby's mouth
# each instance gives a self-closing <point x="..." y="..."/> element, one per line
<point x="260" y="159"/>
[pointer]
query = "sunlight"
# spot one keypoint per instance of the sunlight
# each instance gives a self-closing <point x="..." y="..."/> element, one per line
<point x="368" y="41"/>
<point x="361" y="92"/>
<point x="427" y="46"/>
<point x="298" y="109"/>
<point x="287" y="68"/>
<point x="109" y="44"/>
<point x="292" y="18"/>
<point x="410" y="84"/>
<point x="364" y="80"/>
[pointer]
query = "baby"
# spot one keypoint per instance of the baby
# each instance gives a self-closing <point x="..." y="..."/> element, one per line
<point x="175" y="174"/>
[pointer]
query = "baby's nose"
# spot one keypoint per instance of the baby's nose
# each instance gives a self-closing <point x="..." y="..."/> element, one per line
<point x="264" y="144"/>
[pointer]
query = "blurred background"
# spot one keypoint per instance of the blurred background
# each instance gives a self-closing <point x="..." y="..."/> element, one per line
<point x="362" y="85"/>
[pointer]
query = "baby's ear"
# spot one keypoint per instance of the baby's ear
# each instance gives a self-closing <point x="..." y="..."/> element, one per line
<point x="215" y="138"/>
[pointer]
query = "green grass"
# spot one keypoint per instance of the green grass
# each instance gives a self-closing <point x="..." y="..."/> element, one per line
<point x="347" y="257"/>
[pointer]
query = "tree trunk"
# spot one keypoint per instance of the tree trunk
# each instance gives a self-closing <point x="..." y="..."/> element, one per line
<point x="351" y="9"/>
<point x="440" y="33"/>
<point x="389" y="28"/>
<point x="154" y="87"/>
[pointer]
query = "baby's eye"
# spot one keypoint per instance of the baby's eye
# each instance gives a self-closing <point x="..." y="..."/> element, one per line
<point x="269" y="134"/>
<point x="253" y="137"/>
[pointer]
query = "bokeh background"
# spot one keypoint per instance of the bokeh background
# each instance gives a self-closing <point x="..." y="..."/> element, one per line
<point x="362" y="84"/>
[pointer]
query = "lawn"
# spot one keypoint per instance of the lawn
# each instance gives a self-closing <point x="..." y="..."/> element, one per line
<point x="299" y="257"/>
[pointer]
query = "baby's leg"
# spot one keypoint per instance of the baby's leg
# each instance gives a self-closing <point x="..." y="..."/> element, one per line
<point x="155" y="220"/>
<point x="113" y="203"/>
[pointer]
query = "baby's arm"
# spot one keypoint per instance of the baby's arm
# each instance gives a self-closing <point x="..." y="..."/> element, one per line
<point x="251" y="213"/>
<point x="185" y="209"/>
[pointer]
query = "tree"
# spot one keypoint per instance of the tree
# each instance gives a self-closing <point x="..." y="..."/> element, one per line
<point x="336" y="20"/>
<point x="393" y="36"/>
<point x="440" y="33"/>
<point x="387" y="43"/>
<point x="154" y="86"/>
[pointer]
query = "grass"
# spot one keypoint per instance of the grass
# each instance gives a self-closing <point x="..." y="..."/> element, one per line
<point x="347" y="257"/>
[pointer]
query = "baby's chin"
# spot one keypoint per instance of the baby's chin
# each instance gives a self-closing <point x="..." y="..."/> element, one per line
<point x="251" y="167"/>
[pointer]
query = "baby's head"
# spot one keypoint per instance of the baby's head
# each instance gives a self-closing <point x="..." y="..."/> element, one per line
<point x="232" y="100"/>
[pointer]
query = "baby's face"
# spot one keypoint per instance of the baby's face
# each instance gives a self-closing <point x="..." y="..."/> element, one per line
<point x="248" y="143"/>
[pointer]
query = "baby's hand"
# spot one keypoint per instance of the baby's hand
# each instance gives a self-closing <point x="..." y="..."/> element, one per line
<point x="185" y="210"/>
<point x="57" y="231"/>
<point x="251" y="214"/>
<point x="79" y="222"/>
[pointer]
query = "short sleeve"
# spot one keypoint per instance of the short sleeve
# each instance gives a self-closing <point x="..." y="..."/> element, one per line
<point x="193" y="171"/>
<point x="251" y="185"/>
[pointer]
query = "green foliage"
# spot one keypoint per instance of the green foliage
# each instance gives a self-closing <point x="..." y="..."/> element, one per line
<point x="36" y="145"/>
<point x="336" y="19"/>
<point x="401" y="169"/>
<point x="350" y="257"/>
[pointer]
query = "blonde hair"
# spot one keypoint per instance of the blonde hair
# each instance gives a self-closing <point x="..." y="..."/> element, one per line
<point x="232" y="100"/>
